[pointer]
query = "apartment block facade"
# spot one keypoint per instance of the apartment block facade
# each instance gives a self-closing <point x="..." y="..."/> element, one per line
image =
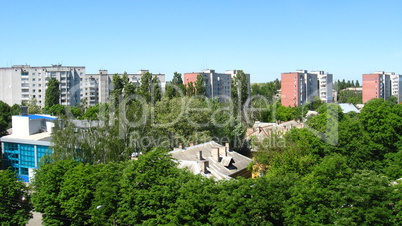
<point x="325" y="81"/>
<point x="96" y="88"/>
<point x="396" y="86"/>
<point x="21" y="83"/>
<point x="298" y="88"/>
<point x="218" y="85"/>
<point x="380" y="85"/>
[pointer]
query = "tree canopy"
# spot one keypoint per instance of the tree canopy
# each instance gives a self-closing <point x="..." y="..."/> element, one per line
<point x="15" y="205"/>
<point x="52" y="93"/>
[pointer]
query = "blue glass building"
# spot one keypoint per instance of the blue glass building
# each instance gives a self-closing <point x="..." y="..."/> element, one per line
<point x="28" y="143"/>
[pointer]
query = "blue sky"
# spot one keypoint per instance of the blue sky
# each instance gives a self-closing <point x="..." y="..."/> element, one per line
<point x="264" y="38"/>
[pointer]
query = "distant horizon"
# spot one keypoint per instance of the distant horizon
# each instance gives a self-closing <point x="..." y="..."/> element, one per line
<point x="262" y="38"/>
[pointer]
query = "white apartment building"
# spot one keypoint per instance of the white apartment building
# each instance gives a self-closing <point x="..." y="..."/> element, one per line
<point x="396" y="86"/>
<point x="96" y="88"/>
<point x="218" y="85"/>
<point x="324" y="86"/>
<point x="22" y="83"/>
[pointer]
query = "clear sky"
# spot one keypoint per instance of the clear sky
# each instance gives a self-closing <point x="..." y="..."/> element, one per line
<point x="264" y="38"/>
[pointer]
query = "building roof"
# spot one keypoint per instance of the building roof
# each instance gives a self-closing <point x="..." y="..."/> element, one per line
<point x="230" y="164"/>
<point x="262" y="130"/>
<point x="348" y="107"/>
<point x="48" y="117"/>
<point x="38" y="139"/>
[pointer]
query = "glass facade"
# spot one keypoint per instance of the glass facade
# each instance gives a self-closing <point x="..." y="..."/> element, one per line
<point x="21" y="157"/>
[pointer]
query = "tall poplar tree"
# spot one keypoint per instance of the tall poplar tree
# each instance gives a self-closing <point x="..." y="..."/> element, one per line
<point x="52" y="94"/>
<point x="200" y="88"/>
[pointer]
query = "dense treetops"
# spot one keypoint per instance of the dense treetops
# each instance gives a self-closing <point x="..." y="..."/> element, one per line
<point x="339" y="169"/>
<point x="15" y="205"/>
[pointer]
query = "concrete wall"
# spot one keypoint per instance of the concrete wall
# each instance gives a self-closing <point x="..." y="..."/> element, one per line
<point x="20" y="125"/>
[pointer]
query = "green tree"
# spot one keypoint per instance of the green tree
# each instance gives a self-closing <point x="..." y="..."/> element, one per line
<point x="349" y="96"/>
<point x="117" y="91"/>
<point x="33" y="107"/>
<point x="156" y="90"/>
<point x="190" y="90"/>
<point x="267" y="90"/>
<point x="15" y="205"/>
<point x="200" y="88"/>
<point x="56" y="109"/>
<point x="77" y="193"/>
<point x="148" y="189"/>
<point x="52" y="93"/>
<point x="175" y="88"/>
<point x="5" y="117"/>
<point x="240" y="90"/>
<point x="357" y="83"/>
<point x="145" y="87"/>
<point x="47" y="185"/>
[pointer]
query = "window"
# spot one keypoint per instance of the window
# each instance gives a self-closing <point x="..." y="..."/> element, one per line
<point x="33" y="73"/>
<point x="27" y="155"/>
<point x="33" y="79"/>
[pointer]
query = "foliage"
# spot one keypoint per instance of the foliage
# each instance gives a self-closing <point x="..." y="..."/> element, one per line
<point x="341" y="85"/>
<point x="56" y="109"/>
<point x="267" y="90"/>
<point x="52" y="93"/>
<point x="240" y="90"/>
<point x="350" y="96"/>
<point x="5" y="117"/>
<point x="190" y="90"/>
<point x="33" y="107"/>
<point x="200" y="88"/>
<point x="15" y="205"/>
<point x="175" y="88"/>
<point x="47" y="187"/>
<point x="339" y="169"/>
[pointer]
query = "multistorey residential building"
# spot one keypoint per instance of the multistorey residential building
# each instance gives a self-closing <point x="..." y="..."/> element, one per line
<point x="298" y="88"/>
<point x="218" y="85"/>
<point x="22" y="83"/>
<point x="396" y="86"/>
<point x="324" y="86"/>
<point x="380" y="85"/>
<point x="96" y="88"/>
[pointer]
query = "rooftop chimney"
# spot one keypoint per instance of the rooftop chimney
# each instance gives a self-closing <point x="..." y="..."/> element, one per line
<point x="191" y="143"/>
<point x="215" y="154"/>
<point x="222" y="151"/>
<point x="180" y="145"/>
<point x="227" y="146"/>
<point x="199" y="156"/>
<point x="204" y="166"/>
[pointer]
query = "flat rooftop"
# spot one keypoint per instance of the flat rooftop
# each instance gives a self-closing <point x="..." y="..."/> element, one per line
<point x="38" y="138"/>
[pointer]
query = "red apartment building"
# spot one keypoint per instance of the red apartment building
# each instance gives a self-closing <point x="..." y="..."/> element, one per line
<point x="298" y="87"/>
<point x="376" y="85"/>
